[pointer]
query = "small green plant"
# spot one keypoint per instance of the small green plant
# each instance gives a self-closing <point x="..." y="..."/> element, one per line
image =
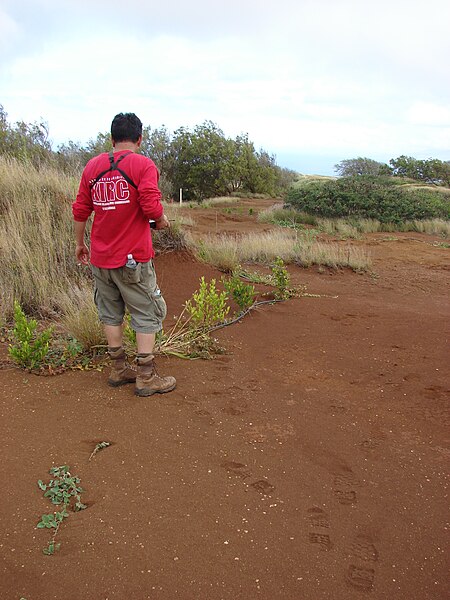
<point x="281" y="279"/>
<point x="250" y="211"/>
<point x="242" y="293"/>
<point x="29" y="348"/>
<point x="62" y="489"/>
<point x="65" y="353"/>
<point x="208" y="306"/>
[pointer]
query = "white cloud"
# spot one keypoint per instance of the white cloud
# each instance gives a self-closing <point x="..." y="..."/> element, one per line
<point x="9" y="30"/>
<point x="349" y="77"/>
<point x="428" y="113"/>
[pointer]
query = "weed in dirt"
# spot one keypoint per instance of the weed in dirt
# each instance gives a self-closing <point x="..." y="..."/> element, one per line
<point x="29" y="349"/>
<point x="44" y="352"/>
<point x="242" y="293"/>
<point x="281" y="279"/>
<point x="208" y="306"/>
<point x="62" y="489"/>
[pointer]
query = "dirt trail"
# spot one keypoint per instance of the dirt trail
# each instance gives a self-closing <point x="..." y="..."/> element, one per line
<point x="309" y="461"/>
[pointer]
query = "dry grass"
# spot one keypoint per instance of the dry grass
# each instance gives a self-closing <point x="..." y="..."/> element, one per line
<point x="226" y="252"/>
<point x="433" y="227"/>
<point x="351" y="228"/>
<point x="220" y="200"/>
<point x="338" y="227"/>
<point x="170" y="239"/>
<point x="176" y="214"/>
<point x="333" y="255"/>
<point x="36" y="237"/>
<point x="80" y="316"/>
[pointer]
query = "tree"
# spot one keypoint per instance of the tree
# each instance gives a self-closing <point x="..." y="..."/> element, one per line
<point x="432" y="170"/>
<point x="361" y="166"/>
<point x="198" y="159"/>
<point x="156" y="144"/>
<point x="25" y="141"/>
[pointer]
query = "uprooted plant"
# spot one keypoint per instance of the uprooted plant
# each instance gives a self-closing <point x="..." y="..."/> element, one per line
<point x="62" y="489"/>
<point x="207" y="311"/>
<point x="190" y="335"/>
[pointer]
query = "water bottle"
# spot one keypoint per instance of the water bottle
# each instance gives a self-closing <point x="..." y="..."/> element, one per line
<point x="131" y="263"/>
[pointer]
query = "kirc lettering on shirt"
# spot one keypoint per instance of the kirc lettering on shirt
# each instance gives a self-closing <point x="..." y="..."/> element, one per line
<point x="111" y="191"/>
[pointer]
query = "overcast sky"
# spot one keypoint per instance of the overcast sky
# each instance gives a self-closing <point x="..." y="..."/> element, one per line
<point x="313" y="82"/>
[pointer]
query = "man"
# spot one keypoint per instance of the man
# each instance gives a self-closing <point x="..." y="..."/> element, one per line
<point x="122" y="190"/>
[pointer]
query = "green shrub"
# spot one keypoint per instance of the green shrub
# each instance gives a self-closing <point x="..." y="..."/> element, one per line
<point x="370" y="198"/>
<point x="29" y="349"/>
<point x="208" y="306"/>
<point x="242" y="293"/>
<point x="281" y="278"/>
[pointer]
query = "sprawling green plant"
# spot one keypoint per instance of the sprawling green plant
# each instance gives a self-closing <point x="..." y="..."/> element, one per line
<point x="63" y="489"/>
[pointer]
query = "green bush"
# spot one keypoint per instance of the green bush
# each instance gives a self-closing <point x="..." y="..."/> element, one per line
<point x="281" y="279"/>
<point x="208" y="306"/>
<point x="242" y="293"/>
<point x="30" y="349"/>
<point x="370" y="198"/>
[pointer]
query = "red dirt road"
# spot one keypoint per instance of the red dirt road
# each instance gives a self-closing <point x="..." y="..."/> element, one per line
<point x="307" y="463"/>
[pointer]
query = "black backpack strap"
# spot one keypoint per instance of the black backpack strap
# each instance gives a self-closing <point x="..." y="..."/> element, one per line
<point x="113" y="166"/>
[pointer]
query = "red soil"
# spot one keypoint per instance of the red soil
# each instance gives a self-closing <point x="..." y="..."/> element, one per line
<point x="307" y="463"/>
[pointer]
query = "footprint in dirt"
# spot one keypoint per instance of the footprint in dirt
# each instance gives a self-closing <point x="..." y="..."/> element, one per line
<point x="319" y="525"/>
<point x="345" y="482"/>
<point x="204" y="415"/>
<point x="263" y="486"/>
<point x="236" y="468"/>
<point x="235" y="407"/>
<point x="241" y="470"/>
<point x="360" y="573"/>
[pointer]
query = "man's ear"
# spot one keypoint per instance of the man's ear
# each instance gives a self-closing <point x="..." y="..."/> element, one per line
<point x="139" y="142"/>
<point x="113" y="142"/>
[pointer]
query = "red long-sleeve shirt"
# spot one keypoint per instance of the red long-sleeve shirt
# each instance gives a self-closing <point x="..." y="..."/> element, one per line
<point x="120" y="225"/>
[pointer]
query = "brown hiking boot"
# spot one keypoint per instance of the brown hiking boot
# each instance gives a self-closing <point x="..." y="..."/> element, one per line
<point x="148" y="382"/>
<point x="121" y="372"/>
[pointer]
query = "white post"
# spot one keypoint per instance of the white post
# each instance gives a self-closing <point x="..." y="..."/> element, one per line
<point x="181" y="196"/>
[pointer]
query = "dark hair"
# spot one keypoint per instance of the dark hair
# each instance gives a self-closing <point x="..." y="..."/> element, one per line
<point x="126" y="127"/>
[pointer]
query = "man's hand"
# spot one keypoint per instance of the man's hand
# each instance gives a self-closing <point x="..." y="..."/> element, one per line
<point x="162" y="222"/>
<point x="82" y="254"/>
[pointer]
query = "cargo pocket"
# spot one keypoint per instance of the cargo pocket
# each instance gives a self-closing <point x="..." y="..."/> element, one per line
<point x="131" y="275"/>
<point x="159" y="304"/>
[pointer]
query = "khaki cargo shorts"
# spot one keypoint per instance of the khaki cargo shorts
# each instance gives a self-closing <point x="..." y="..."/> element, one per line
<point x="134" y="289"/>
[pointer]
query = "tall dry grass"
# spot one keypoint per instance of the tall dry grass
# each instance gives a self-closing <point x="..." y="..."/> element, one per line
<point x="351" y="227"/>
<point x="37" y="265"/>
<point x="227" y="252"/>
